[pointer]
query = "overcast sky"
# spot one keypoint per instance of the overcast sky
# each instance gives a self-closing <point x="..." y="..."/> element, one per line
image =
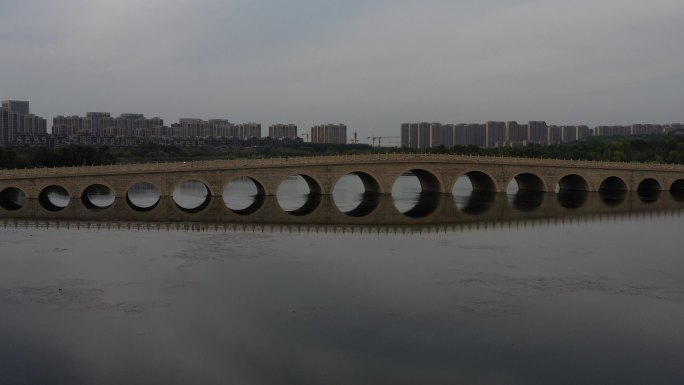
<point x="369" y="64"/>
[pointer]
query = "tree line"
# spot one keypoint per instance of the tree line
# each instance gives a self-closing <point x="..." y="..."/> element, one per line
<point x="646" y="149"/>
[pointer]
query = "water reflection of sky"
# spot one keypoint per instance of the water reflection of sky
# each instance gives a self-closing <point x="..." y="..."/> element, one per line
<point x="588" y="302"/>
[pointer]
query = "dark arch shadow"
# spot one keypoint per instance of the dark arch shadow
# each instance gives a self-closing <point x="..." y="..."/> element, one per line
<point x="143" y="186"/>
<point x="613" y="191"/>
<point x="96" y="189"/>
<point x="479" y="202"/>
<point x="573" y="182"/>
<point x="429" y="183"/>
<point x="528" y="200"/>
<point x="259" y="199"/>
<point x="649" y="190"/>
<point x="677" y="190"/>
<point x="370" y="199"/>
<point x="481" y="181"/>
<point x="47" y="203"/>
<point x="313" y="198"/>
<point x="12" y="199"/>
<point x="428" y="203"/>
<point x="196" y="209"/>
<point x="529" y="182"/>
<point x="572" y="199"/>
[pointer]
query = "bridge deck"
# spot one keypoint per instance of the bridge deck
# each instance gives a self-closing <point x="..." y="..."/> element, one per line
<point x="242" y="164"/>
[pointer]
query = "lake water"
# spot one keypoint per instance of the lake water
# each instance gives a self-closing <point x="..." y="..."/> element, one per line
<point x="591" y="293"/>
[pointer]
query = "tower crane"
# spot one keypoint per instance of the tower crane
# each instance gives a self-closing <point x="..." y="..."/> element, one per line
<point x="355" y="139"/>
<point x="380" y="138"/>
<point x="306" y="134"/>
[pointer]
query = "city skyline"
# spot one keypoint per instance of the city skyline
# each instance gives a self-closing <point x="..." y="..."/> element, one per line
<point x="372" y="65"/>
<point x="18" y="126"/>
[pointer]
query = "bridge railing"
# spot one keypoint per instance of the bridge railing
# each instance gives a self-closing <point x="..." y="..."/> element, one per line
<point x="324" y="160"/>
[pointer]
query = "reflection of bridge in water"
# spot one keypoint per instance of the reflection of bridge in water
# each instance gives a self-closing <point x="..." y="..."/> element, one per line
<point x="432" y="213"/>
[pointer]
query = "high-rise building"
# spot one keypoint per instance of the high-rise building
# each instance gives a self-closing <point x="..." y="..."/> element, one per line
<point x="414" y="135"/>
<point x="405" y="135"/>
<point x="495" y="134"/>
<point x="537" y="132"/>
<point x="583" y="132"/>
<point x="612" y="130"/>
<point x="448" y="133"/>
<point x="282" y="131"/>
<point x="17" y="106"/>
<point x="554" y="135"/>
<point x="103" y="124"/>
<point x="96" y="121"/>
<point x="436" y="135"/>
<point x="647" y="129"/>
<point x="329" y="133"/>
<point x="516" y="134"/>
<point x="17" y="121"/>
<point x="4" y="126"/>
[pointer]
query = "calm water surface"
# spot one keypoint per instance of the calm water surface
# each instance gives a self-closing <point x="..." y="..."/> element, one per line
<point x="593" y="302"/>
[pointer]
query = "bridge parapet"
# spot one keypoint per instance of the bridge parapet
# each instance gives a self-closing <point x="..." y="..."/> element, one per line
<point x="205" y="165"/>
<point x="437" y="173"/>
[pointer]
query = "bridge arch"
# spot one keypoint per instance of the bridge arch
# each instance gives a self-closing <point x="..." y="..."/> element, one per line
<point x="315" y="186"/>
<point x="371" y="183"/>
<point x="193" y="178"/>
<point x="480" y="180"/>
<point x="54" y="197"/>
<point x="649" y="185"/>
<point x="613" y="184"/>
<point x="259" y="197"/>
<point x="143" y="204"/>
<point x="134" y="182"/>
<point x="370" y="198"/>
<point x="97" y="188"/>
<point x="677" y="186"/>
<point x="649" y="190"/>
<point x="12" y="198"/>
<point x="528" y="181"/>
<point x="429" y="182"/>
<point x="573" y="182"/>
<point x="313" y="198"/>
<point x="194" y="202"/>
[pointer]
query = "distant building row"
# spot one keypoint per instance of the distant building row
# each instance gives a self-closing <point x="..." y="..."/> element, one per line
<point x="19" y="127"/>
<point x="500" y="134"/>
<point x="16" y="120"/>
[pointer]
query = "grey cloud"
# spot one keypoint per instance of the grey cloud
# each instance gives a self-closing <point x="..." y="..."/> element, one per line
<point x="369" y="64"/>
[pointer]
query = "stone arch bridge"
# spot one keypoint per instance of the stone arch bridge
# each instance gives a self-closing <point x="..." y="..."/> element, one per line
<point x="378" y="172"/>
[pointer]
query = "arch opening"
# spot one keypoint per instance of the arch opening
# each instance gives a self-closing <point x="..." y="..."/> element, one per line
<point x="143" y="196"/>
<point x="525" y="192"/>
<point x="98" y="196"/>
<point x="357" y="194"/>
<point x="649" y="190"/>
<point x="299" y="195"/>
<point x="191" y="196"/>
<point x="429" y="183"/>
<point x="525" y="182"/>
<point x="416" y="197"/>
<point x="677" y="186"/>
<point x="613" y="184"/>
<point x="572" y="182"/>
<point x="12" y="199"/>
<point x="677" y="190"/>
<point x="244" y="195"/>
<point x="54" y="198"/>
<point x="613" y="191"/>
<point x="474" y="193"/>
